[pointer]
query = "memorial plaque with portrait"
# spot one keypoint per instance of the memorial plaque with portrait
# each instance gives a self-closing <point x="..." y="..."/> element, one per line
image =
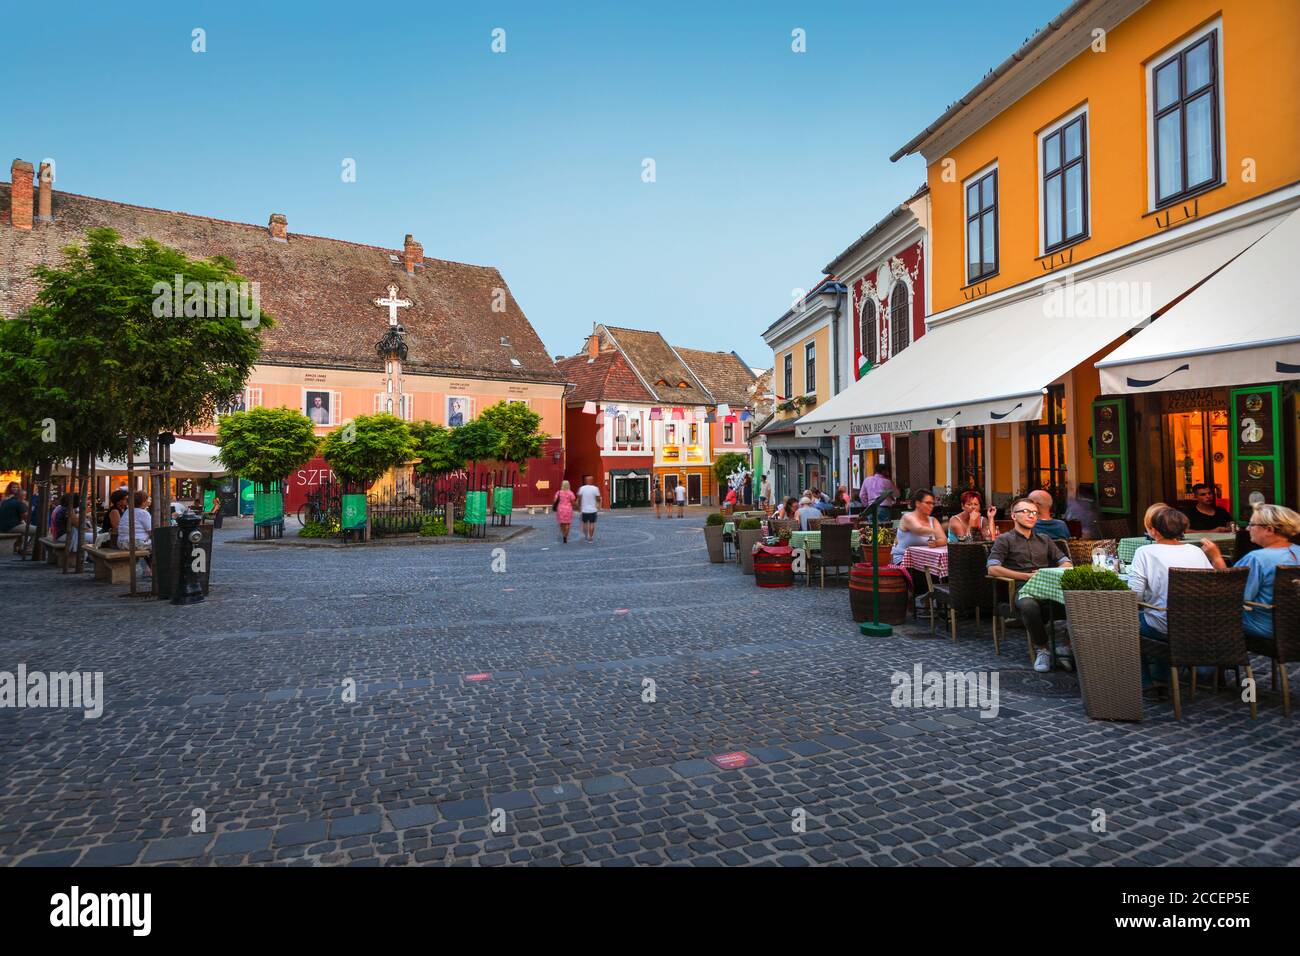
<point x="1254" y="415"/>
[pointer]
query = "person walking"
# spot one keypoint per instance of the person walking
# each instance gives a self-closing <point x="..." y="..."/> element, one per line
<point x="765" y="492"/>
<point x="563" y="509"/>
<point x="659" y="499"/>
<point x="589" y="504"/>
<point x="680" y="492"/>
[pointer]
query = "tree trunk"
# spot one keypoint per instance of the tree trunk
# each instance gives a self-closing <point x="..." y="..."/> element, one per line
<point x="69" y="515"/>
<point x="155" y="496"/>
<point x="129" y="514"/>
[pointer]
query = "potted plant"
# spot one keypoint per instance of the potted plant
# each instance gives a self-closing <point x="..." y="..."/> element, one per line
<point x="713" y="536"/>
<point x="1103" y="621"/>
<point x="881" y="552"/>
<point x="749" y="532"/>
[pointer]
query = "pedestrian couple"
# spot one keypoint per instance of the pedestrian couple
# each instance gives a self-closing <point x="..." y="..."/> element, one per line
<point x="588" y="501"/>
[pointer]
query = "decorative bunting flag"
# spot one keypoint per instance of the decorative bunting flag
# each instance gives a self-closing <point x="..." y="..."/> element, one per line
<point x="656" y="414"/>
<point x="679" y="414"/>
<point x="589" y="408"/>
<point x="700" y="412"/>
<point x="744" y="414"/>
<point x="611" y="411"/>
<point x="730" y="419"/>
<point x="724" y="409"/>
<point x="712" y="418"/>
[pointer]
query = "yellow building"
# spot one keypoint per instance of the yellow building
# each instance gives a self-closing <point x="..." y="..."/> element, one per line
<point x="1096" y="199"/>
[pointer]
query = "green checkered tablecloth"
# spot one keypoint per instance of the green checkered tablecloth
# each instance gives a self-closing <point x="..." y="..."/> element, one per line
<point x="1046" y="585"/>
<point x="729" y="527"/>
<point x="812" y="540"/>
<point x="1225" y="540"/>
<point x="1128" y="547"/>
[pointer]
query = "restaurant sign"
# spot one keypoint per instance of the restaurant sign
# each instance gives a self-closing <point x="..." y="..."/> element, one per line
<point x="1195" y="400"/>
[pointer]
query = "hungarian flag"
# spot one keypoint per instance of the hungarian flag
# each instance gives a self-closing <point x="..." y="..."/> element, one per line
<point x="862" y="364"/>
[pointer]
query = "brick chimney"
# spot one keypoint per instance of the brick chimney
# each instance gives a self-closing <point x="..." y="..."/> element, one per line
<point x="43" y="198"/>
<point x="412" y="254"/>
<point x="279" y="227"/>
<point x="20" y="195"/>
<point x="593" y="345"/>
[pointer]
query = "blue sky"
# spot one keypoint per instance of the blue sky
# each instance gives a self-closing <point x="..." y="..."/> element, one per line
<point x="767" y="162"/>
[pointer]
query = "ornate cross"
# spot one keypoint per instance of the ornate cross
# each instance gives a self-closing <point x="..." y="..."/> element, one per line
<point x="392" y="303"/>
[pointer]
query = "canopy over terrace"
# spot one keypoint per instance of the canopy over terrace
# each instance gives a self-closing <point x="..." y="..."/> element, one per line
<point x="1010" y="352"/>
<point x="1240" y="327"/>
<point x="188" y="457"/>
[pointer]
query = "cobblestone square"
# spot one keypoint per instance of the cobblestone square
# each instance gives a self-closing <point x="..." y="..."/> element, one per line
<point x="565" y="754"/>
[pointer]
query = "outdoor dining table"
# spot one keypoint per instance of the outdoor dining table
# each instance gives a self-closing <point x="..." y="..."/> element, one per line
<point x="933" y="560"/>
<point x="1046" y="585"/>
<point x="812" y="540"/>
<point x="1226" y="541"/>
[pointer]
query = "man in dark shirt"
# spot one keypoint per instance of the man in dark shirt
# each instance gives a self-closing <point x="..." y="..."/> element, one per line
<point x="1016" y="555"/>
<point x="1207" y="515"/>
<point x="13" y="511"/>
<point x="1047" y="525"/>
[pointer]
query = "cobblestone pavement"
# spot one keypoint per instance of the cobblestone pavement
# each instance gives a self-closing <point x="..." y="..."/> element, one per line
<point x="235" y="707"/>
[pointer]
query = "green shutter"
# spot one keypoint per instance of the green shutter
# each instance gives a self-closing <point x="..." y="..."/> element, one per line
<point x="1111" y="455"/>
<point x="1256" y="426"/>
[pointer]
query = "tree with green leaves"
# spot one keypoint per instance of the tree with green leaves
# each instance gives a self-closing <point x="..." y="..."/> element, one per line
<point x="366" y="447"/>
<point x="265" y="444"/>
<point x="476" y="441"/>
<point x="726" y="466"/>
<point x="134" y="341"/>
<point x="435" y="448"/>
<point x="521" y="434"/>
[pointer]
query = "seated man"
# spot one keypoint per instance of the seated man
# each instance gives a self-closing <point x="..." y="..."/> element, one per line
<point x="1017" y="554"/>
<point x="806" y="511"/>
<point x="14" y="512"/>
<point x="1206" y="515"/>
<point x="1052" y="527"/>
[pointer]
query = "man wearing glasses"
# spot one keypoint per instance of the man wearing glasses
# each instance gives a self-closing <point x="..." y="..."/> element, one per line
<point x="1016" y="555"/>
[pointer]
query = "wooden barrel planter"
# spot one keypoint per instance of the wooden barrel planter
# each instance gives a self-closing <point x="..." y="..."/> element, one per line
<point x="893" y="594"/>
<point x="772" y="566"/>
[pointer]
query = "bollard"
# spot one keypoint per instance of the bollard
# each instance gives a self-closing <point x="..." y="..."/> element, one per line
<point x="188" y="588"/>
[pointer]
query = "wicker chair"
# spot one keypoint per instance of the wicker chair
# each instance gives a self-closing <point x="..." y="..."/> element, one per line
<point x="1284" y="646"/>
<point x="1080" y="550"/>
<point x="1204" y="626"/>
<point x="1115" y="528"/>
<point x="836" y="550"/>
<point x="777" y="525"/>
<point x="967" y="588"/>
<point x="814" y="524"/>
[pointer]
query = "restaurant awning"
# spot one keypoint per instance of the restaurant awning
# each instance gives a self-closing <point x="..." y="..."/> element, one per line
<point x="1240" y="327"/>
<point x="189" y="457"/>
<point x="994" y="366"/>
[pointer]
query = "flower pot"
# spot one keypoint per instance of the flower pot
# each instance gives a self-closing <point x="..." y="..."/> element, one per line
<point x="882" y="555"/>
<point x="892" y="590"/>
<point x="713" y="541"/>
<point x="772" y="566"/>
<point x="1107" y="652"/>
<point x="745" y="541"/>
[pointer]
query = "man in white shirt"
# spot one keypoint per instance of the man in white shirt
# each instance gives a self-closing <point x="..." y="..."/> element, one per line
<point x="680" y="492"/>
<point x="589" y="505"/>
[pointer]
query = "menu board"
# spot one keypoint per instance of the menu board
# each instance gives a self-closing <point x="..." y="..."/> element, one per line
<point x="1110" y="454"/>
<point x="1256" y="447"/>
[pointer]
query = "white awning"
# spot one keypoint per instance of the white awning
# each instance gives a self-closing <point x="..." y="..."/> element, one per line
<point x="189" y="457"/>
<point x="1241" y="327"/>
<point x="994" y="366"/>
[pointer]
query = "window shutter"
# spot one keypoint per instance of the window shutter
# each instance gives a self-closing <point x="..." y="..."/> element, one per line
<point x="336" y="407"/>
<point x="1110" y="454"/>
<point x="1257" y="463"/>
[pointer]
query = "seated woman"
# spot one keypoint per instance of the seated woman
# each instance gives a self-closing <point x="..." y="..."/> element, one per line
<point x="785" y="511"/>
<point x="1271" y="528"/>
<point x="1149" y="577"/>
<point x="142" y="520"/>
<point x="113" y="516"/>
<point x="919" y="527"/>
<point x="970" y="524"/>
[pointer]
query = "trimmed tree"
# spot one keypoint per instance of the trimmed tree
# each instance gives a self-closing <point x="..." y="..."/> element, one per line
<point x="521" y="434"/>
<point x="435" y="448"/>
<point x="476" y="441"/>
<point x="265" y="444"/>
<point x="362" y="450"/>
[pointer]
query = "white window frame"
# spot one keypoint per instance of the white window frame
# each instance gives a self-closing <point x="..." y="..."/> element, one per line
<point x="336" y="404"/>
<point x="906" y="284"/>
<point x="965" y="219"/>
<point x="728" y="433"/>
<point x="1045" y="132"/>
<point x="1221" y="79"/>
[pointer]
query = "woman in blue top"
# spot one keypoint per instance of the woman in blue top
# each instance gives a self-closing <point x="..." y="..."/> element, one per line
<point x="1272" y="530"/>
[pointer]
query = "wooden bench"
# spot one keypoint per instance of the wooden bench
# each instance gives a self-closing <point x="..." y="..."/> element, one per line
<point x="54" y="550"/>
<point x="111" y="563"/>
<point x="13" y="536"/>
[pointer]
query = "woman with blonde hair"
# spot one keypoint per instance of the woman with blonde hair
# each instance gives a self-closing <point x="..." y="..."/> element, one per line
<point x="1151" y="513"/>
<point x="563" y="509"/>
<point x="1273" y="530"/>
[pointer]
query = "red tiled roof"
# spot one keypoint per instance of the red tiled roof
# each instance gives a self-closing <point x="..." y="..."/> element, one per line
<point x="726" y="377"/>
<point x="650" y="355"/>
<point x="605" y="378"/>
<point x="319" y="290"/>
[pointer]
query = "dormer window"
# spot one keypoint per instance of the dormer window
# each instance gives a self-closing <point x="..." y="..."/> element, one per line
<point x="682" y="385"/>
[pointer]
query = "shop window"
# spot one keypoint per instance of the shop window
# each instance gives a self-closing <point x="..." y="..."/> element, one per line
<point x="970" y="458"/>
<point x="1045" y="447"/>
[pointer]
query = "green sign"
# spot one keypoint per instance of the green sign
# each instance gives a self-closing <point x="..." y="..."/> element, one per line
<point x="503" y="500"/>
<point x="208" y="497"/>
<point x="245" y="496"/>
<point x="1258" y="463"/>
<point x="268" y="507"/>
<point x="1110" y="452"/>
<point x="476" y="507"/>
<point x="354" y="512"/>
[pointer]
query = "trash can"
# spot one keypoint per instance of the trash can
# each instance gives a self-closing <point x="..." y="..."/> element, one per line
<point x="167" y="554"/>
